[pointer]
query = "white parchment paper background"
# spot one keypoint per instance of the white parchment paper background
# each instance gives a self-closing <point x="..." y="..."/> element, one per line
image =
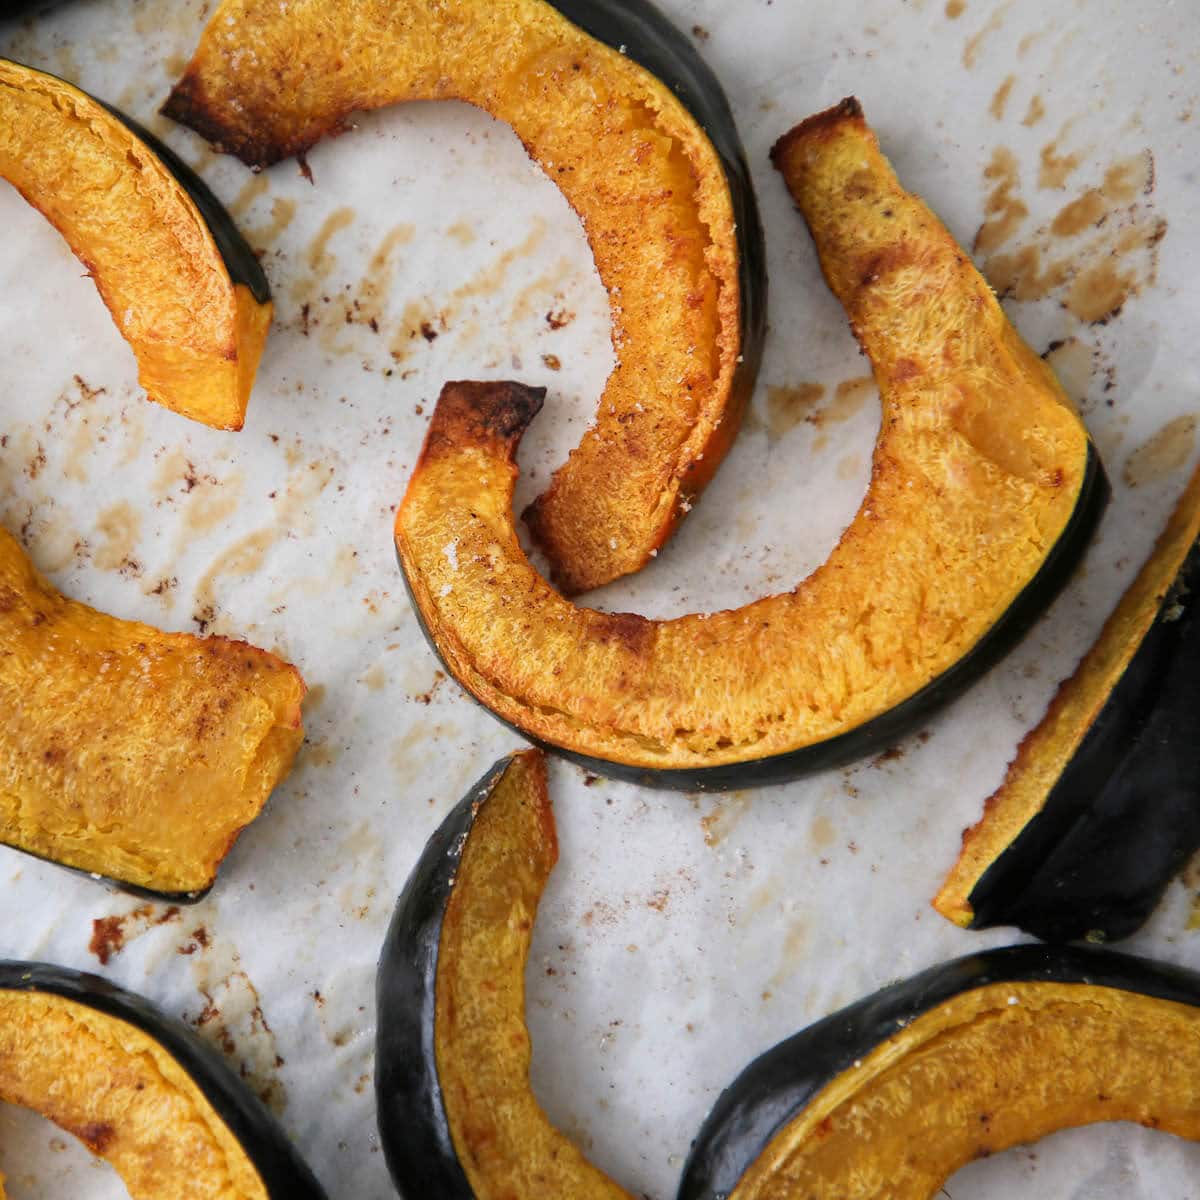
<point x="680" y="935"/>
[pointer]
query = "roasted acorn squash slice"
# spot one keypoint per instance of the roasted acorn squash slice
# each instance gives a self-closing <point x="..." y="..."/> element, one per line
<point x="457" y="1117"/>
<point x="141" y="1090"/>
<point x="984" y="492"/>
<point x="183" y="288"/>
<point x="633" y="127"/>
<point x="892" y="1095"/>
<point x="127" y="752"/>
<point x="1101" y="805"/>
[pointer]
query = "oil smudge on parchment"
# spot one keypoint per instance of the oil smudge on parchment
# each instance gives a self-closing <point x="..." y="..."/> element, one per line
<point x="1160" y="455"/>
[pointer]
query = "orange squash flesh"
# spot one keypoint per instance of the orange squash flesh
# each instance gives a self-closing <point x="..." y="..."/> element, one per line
<point x="269" y="80"/>
<point x="992" y="1068"/>
<point x="127" y="752"/>
<point x="198" y="335"/>
<point x="504" y="1142"/>
<point x="117" y="1090"/>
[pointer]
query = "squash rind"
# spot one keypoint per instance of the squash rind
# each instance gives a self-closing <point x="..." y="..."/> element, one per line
<point x="242" y="1122"/>
<point x="807" y="1093"/>
<point x="457" y="1117"/>
<point x="1099" y="808"/>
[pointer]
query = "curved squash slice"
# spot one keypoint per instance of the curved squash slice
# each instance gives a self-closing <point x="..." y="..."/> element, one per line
<point x="183" y="288"/>
<point x="1101" y="805"/>
<point x="984" y="491"/>
<point x="140" y="1090"/>
<point x="127" y="752"/>
<point x="633" y="127"/>
<point x="457" y="1117"/>
<point x="892" y="1095"/>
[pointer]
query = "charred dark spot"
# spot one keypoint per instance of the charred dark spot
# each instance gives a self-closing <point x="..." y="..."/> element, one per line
<point x="8" y="599"/>
<point x="887" y="261"/>
<point x="428" y="332"/>
<point x="482" y="411"/>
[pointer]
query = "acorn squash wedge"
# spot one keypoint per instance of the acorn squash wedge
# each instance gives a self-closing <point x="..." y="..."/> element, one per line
<point x="1101" y="805"/>
<point x="130" y="753"/>
<point x="141" y="1090"/>
<point x="892" y="1095"/>
<point x="457" y="1117"/>
<point x="985" y="490"/>
<point x="624" y="116"/>
<point x="183" y="288"/>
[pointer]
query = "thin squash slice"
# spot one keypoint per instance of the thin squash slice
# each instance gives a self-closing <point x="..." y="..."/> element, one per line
<point x="184" y="289"/>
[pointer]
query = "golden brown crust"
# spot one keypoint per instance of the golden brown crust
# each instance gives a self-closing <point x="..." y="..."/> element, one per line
<point x="645" y="180"/>
<point x="819" y="125"/>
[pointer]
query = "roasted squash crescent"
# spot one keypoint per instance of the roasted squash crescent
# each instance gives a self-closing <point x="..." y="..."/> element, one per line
<point x="625" y="117"/>
<point x="1101" y="805"/>
<point x="130" y="753"/>
<point x="183" y="288"/>
<point x="140" y="1090"/>
<point x="984" y="492"/>
<point x="457" y="1116"/>
<point x="890" y="1096"/>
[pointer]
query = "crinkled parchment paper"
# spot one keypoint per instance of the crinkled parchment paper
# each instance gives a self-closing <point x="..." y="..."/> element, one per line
<point x="680" y="935"/>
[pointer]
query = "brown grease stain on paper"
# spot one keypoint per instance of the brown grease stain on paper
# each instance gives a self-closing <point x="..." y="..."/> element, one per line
<point x="246" y="556"/>
<point x="120" y="526"/>
<point x="1167" y="451"/>
<point x="283" y="212"/>
<point x="788" y="406"/>
<point x="1000" y="99"/>
<point x="254" y="187"/>
<point x="1056" y="168"/>
<point x="970" y="53"/>
<point x="1004" y="209"/>
<point x="1096" y="278"/>
<point x="1071" y="361"/>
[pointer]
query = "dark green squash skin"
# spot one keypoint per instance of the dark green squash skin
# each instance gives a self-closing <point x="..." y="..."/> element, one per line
<point x="772" y="1090"/>
<point x="884" y="730"/>
<point x="1124" y="816"/>
<point x="117" y="885"/>
<point x="284" y="1173"/>
<point x="413" y="1127"/>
